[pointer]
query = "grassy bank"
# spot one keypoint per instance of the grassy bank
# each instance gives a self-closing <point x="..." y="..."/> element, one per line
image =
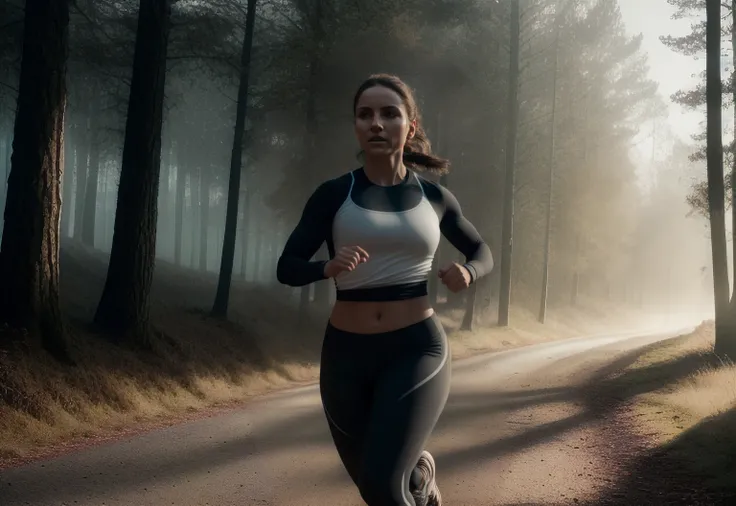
<point x="690" y="418"/>
<point x="198" y="364"/>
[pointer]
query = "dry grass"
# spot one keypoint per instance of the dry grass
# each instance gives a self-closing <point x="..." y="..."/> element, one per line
<point x="197" y="363"/>
<point x="692" y="417"/>
<point x="113" y="388"/>
<point x="682" y="404"/>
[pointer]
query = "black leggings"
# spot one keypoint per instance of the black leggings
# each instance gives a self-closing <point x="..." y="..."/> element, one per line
<point x="382" y="395"/>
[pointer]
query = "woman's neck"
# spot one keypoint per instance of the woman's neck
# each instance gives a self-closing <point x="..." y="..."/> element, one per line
<point x="385" y="170"/>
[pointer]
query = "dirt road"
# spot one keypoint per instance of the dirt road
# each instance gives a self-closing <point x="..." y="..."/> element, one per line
<point x="520" y="428"/>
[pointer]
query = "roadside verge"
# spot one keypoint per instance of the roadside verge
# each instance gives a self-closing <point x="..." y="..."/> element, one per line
<point x="670" y="439"/>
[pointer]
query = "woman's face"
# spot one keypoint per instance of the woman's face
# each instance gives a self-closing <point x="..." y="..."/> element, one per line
<point x="382" y="125"/>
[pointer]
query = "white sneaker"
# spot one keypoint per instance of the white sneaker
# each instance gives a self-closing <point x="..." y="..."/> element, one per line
<point x="428" y="493"/>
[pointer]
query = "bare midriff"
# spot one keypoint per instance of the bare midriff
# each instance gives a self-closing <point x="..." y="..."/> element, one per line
<point x="376" y="317"/>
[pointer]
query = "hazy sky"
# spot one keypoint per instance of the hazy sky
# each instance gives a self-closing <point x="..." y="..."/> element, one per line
<point x="673" y="71"/>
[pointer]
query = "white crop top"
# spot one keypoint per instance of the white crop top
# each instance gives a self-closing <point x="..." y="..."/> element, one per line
<point x="399" y="226"/>
<point x="401" y="244"/>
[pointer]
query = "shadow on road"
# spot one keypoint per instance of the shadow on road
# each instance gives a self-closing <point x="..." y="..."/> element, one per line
<point x="656" y="476"/>
<point x="684" y="472"/>
<point x="691" y="470"/>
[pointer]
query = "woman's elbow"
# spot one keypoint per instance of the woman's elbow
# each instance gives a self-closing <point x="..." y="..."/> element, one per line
<point x="283" y="271"/>
<point x="491" y="260"/>
<point x="484" y="259"/>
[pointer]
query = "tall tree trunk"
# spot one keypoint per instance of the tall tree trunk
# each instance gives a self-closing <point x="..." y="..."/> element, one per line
<point x="124" y="306"/>
<point x="271" y="257"/>
<point x="104" y="204"/>
<point x="204" y="216"/>
<point x="29" y="253"/>
<point x="585" y="134"/>
<point x="244" y="229"/>
<point x="504" y="300"/>
<point x="280" y="243"/>
<point x="68" y="181"/>
<point x="548" y="227"/>
<point x="231" y="215"/>
<point x="194" y="212"/>
<point x="80" y="171"/>
<point x="3" y="188"/>
<point x="7" y="155"/>
<point x="257" y="246"/>
<point x="575" y="285"/>
<point x="162" y="228"/>
<point x="166" y="216"/>
<point x="726" y="342"/>
<point x="733" y="163"/>
<point x="218" y="232"/>
<point x="179" y="218"/>
<point x="4" y="171"/>
<point x="714" y="155"/>
<point x="90" y="194"/>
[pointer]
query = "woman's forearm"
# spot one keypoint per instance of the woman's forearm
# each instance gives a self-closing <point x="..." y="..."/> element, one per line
<point x="295" y="271"/>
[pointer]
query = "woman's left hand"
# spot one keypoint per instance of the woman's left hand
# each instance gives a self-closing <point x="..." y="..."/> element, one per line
<point x="455" y="277"/>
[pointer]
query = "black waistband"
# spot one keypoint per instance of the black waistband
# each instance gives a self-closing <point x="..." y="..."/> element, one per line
<point x="384" y="293"/>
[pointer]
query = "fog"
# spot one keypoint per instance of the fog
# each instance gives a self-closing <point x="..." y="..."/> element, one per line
<point x="621" y="231"/>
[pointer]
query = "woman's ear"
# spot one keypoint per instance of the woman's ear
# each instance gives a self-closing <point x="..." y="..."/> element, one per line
<point x="412" y="129"/>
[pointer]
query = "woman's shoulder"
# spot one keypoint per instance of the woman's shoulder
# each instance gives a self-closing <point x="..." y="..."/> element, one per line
<point x="333" y="191"/>
<point x="337" y="183"/>
<point x="343" y="179"/>
<point x="433" y="188"/>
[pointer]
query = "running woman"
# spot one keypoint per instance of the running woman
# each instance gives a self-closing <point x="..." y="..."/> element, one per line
<point x="385" y="366"/>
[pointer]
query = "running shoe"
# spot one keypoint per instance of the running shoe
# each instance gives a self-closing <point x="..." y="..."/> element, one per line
<point x="428" y="494"/>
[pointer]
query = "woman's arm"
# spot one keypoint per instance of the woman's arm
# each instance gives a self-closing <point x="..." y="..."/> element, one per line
<point x="464" y="236"/>
<point x="294" y="267"/>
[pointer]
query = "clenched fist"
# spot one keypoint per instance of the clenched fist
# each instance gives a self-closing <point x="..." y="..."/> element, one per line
<point x="347" y="258"/>
<point x="455" y="277"/>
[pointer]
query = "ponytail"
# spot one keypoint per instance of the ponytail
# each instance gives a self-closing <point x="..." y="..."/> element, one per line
<point x="418" y="154"/>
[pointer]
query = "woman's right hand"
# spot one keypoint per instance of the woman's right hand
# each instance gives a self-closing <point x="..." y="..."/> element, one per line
<point x="347" y="259"/>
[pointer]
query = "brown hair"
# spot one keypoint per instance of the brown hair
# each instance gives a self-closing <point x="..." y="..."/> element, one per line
<point x="418" y="149"/>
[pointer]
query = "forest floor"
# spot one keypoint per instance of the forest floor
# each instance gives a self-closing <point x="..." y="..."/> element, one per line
<point x="199" y="365"/>
<point x="669" y="435"/>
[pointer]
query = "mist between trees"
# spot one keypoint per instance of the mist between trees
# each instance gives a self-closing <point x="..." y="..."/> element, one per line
<point x="584" y="224"/>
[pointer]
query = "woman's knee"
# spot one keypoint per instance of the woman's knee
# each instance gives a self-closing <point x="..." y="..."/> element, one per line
<point x="380" y="489"/>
